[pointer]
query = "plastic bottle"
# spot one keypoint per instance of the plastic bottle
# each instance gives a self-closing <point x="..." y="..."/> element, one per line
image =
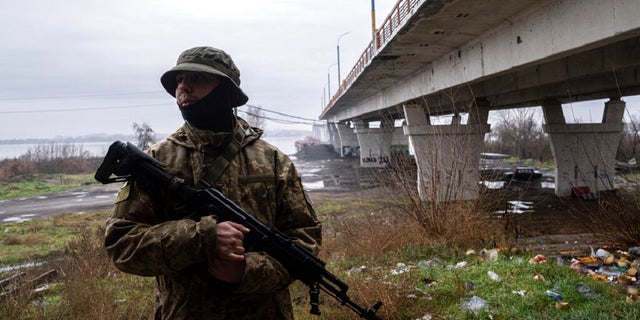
<point x="554" y="295"/>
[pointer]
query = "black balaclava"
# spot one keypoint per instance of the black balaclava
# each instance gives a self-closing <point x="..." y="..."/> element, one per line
<point x="212" y="112"/>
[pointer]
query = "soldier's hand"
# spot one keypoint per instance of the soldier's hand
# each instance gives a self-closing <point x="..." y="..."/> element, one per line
<point x="230" y="241"/>
<point x="229" y="263"/>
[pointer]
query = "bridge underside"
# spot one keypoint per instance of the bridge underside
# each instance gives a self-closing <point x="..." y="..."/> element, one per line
<point x="466" y="56"/>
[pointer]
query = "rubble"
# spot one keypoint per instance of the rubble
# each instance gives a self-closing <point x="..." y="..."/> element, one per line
<point x="617" y="268"/>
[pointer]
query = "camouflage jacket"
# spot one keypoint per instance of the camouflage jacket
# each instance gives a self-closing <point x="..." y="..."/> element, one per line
<point x="145" y="235"/>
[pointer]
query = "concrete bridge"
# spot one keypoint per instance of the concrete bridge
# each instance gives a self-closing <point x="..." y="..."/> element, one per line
<point x="467" y="57"/>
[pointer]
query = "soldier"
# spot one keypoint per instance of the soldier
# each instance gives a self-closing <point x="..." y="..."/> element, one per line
<point x="203" y="269"/>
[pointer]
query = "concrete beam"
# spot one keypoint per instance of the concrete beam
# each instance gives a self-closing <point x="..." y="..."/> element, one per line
<point x="347" y="142"/>
<point x="375" y="143"/>
<point x="447" y="156"/>
<point x="584" y="153"/>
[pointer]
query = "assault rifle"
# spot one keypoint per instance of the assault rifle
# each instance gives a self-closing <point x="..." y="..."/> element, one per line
<point x="125" y="162"/>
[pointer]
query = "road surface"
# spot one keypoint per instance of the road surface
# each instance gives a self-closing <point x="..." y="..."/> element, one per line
<point x="74" y="201"/>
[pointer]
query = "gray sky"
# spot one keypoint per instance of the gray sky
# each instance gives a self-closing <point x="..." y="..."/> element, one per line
<point x="106" y="58"/>
<point x="78" y="67"/>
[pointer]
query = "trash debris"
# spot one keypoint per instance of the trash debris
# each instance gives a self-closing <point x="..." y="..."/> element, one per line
<point x="427" y="282"/>
<point x="493" y="276"/>
<point x="473" y="304"/>
<point x="537" y="276"/>
<point x="426" y="294"/>
<point x="619" y="267"/>
<point x="356" y="270"/>
<point x="538" y="259"/>
<point x="461" y="265"/>
<point x="562" y="305"/>
<point x="634" y="295"/>
<point x="400" y="269"/>
<point x="608" y="260"/>
<point x="520" y="292"/>
<point x="554" y="295"/>
<point x="585" y="291"/>
<point x="623" y="263"/>
<point x="470" y="285"/>
<point x="425" y="317"/>
<point x="634" y="251"/>
<point x="490" y="255"/>
<point x="601" y="253"/>
<point x="626" y="280"/>
<point x="433" y="263"/>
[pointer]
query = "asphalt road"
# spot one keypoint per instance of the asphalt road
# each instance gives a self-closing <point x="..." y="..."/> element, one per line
<point x="75" y="201"/>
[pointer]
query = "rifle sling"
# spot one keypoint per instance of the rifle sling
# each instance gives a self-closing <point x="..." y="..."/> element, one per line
<point x="214" y="171"/>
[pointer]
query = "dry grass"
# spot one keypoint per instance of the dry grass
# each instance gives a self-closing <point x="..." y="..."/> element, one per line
<point x="85" y="285"/>
<point x="458" y="223"/>
<point x="616" y="218"/>
<point x="376" y="228"/>
<point x="30" y="239"/>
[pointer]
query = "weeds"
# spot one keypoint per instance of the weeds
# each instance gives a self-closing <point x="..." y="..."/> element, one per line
<point x="458" y="223"/>
<point x="85" y="286"/>
<point x="616" y="218"/>
<point x="366" y="236"/>
<point x="49" y="159"/>
<point x="27" y="185"/>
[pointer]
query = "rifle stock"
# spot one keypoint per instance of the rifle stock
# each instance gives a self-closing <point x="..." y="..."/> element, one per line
<point x="125" y="162"/>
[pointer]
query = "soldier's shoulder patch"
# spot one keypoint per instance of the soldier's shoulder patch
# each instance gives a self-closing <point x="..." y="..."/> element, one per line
<point x="123" y="194"/>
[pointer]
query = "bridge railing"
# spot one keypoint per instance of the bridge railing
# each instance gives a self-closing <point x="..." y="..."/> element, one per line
<point x="399" y="14"/>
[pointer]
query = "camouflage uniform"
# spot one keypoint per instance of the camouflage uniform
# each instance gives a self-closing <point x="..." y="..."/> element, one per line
<point x="145" y="235"/>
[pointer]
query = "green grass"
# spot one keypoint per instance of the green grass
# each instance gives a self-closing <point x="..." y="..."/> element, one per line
<point x="531" y="162"/>
<point x="37" y="239"/>
<point x="38" y="184"/>
<point x="93" y="288"/>
<point x="438" y="291"/>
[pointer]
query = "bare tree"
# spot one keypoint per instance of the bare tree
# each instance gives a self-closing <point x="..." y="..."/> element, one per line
<point x="519" y="132"/>
<point x="144" y="135"/>
<point x="630" y="142"/>
<point x="255" y="116"/>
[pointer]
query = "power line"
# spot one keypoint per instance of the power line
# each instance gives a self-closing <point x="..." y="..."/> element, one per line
<point x="283" y="121"/>
<point x="83" y="109"/>
<point x="282" y="114"/>
<point x="305" y="121"/>
<point x="114" y="94"/>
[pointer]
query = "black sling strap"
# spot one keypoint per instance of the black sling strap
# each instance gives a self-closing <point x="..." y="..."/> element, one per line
<point x="234" y="146"/>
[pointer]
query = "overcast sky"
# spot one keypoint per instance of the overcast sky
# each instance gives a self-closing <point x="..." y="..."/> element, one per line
<point x="78" y="67"/>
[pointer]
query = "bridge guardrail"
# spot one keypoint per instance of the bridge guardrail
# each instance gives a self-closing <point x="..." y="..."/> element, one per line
<point x="403" y="10"/>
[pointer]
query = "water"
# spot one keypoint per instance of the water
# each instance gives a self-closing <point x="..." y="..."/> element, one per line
<point x="99" y="149"/>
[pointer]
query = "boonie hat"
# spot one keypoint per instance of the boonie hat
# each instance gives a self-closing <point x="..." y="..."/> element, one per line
<point x="209" y="60"/>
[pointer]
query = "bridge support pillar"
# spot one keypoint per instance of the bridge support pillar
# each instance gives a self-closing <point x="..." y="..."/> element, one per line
<point x="375" y="143"/>
<point x="334" y="137"/>
<point x="399" y="143"/>
<point x="447" y="156"/>
<point x="345" y="140"/>
<point x="584" y="153"/>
